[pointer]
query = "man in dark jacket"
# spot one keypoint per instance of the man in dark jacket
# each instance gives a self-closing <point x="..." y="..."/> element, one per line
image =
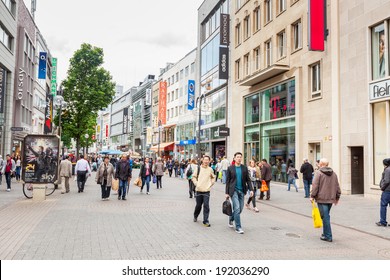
<point x="326" y="192"/>
<point x="266" y="174"/>
<point x="385" y="198"/>
<point x="123" y="173"/>
<point x="307" y="171"/>
<point x="238" y="183"/>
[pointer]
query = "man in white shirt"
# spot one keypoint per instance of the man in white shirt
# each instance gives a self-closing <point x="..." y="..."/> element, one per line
<point x="224" y="166"/>
<point x="82" y="169"/>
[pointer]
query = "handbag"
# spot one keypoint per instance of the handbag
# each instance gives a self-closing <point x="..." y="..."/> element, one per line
<point x="115" y="184"/>
<point x="316" y="216"/>
<point x="154" y="179"/>
<point x="138" y="182"/>
<point x="264" y="186"/>
<point x="227" y="207"/>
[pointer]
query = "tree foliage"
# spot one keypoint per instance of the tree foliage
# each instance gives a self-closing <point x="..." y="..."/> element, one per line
<point x="87" y="89"/>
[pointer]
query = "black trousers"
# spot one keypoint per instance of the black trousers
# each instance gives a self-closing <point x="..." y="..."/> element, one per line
<point x="191" y="188"/>
<point x="202" y="198"/>
<point x="81" y="178"/>
<point x="170" y="172"/>
<point x="105" y="190"/>
<point x="159" y="184"/>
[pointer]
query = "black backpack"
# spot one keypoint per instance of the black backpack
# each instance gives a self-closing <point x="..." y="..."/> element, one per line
<point x="189" y="172"/>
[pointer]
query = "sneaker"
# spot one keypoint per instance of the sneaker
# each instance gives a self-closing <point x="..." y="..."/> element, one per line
<point x="323" y="238"/>
<point x="379" y="224"/>
<point x="124" y="198"/>
<point x="206" y="224"/>
<point x="119" y="198"/>
<point x="239" y="231"/>
<point x="62" y="192"/>
<point x="256" y="209"/>
<point x="230" y="224"/>
<point x="147" y="193"/>
<point x="8" y="190"/>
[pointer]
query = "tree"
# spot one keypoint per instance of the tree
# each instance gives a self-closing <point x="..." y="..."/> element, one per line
<point x="87" y="89"/>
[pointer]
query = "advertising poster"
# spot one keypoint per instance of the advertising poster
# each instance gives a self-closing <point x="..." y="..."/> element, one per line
<point x="40" y="159"/>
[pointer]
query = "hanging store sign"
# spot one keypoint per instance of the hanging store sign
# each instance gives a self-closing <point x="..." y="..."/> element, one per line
<point x="224" y="30"/>
<point x="317" y="25"/>
<point x="191" y="94"/>
<point x="162" y="103"/>
<point x="223" y="63"/>
<point x="380" y="90"/>
<point x="48" y="114"/>
<point x="2" y="88"/>
<point x="42" y="65"/>
<point x="53" y="87"/>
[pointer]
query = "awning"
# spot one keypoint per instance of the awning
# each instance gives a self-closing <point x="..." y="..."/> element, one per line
<point x="163" y="147"/>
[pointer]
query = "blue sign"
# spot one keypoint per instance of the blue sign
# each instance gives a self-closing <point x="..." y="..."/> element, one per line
<point x="187" y="142"/>
<point x="42" y="65"/>
<point x="191" y="94"/>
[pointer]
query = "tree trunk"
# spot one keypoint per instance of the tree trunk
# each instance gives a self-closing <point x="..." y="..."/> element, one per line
<point x="77" y="148"/>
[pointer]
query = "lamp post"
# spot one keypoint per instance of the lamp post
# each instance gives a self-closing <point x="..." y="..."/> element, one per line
<point x="60" y="104"/>
<point x="86" y="137"/>
<point x="159" y="138"/>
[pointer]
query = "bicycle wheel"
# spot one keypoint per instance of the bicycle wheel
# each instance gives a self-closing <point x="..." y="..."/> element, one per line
<point x="28" y="190"/>
<point x="50" y="188"/>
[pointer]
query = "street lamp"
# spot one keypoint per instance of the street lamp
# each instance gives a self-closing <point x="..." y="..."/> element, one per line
<point x="86" y="137"/>
<point x="159" y="137"/>
<point x="60" y="104"/>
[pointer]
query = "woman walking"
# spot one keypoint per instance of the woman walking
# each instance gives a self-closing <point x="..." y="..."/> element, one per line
<point x="18" y="164"/>
<point x="292" y="175"/>
<point x="254" y="174"/>
<point x="146" y="174"/>
<point x="104" y="176"/>
<point x="158" y="170"/>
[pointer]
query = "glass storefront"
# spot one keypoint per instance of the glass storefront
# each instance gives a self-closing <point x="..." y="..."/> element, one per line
<point x="380" y="141"/>
<point x="270" y="125"/>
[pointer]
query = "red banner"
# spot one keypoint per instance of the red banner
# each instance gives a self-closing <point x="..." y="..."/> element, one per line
<point x="106" y="130"/>
<point x="162" y="103"/>
<point x="317" y="25"/>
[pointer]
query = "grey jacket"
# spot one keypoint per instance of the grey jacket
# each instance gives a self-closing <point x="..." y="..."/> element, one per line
<point x="65" y="168"/>
<point x="100" y="172"/>
<point x="158" y="169"/>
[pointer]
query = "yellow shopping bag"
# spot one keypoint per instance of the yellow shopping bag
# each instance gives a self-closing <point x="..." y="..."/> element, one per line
<point x="316" y="216"/>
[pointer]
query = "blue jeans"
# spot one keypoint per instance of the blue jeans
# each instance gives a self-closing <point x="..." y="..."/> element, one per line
<point x="224" y="176"/>
<point x="122" y="188"/>
<point x="385" y="201"/>
<point x="291" y="181"/>
<point x="324" y="211"/>
<point x="238" y="205"/>
<point x="181" y="173"/>
<point x="306" y="184"/>
<point x="147" y="181"/>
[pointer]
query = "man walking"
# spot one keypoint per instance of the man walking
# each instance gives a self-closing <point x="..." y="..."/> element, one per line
<point x="203" y="179"/>
<point x="385" y="198"/>
<point x="224" y="167"/>
<point x="238" y="183"/>
<point x="123" y="173"/>
<point x="7" y="170"/>
<point x="65" y="173"/>
<point x="326" y="192"/>
<point x="307" y="170"/>
<point x="266" y="174"/>
<point x="82" y="169"/>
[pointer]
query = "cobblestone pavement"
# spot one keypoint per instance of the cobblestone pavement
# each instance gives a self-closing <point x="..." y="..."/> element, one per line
<point x="78" y="226"/>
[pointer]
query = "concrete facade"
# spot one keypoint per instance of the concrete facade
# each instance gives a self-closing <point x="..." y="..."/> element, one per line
<point x="8" y="23"/>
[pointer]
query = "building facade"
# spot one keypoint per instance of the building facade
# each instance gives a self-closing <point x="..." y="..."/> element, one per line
<point x="8" y="52"/>
<point x="212" y="84"/>
<point x="279" y="85"/>
<point x="364" y="94"/>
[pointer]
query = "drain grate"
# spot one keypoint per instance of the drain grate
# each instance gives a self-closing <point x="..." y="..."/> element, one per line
<point x="293" y="235"/>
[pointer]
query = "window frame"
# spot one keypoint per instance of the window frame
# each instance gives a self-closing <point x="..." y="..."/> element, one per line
<point x="315" y="92"/>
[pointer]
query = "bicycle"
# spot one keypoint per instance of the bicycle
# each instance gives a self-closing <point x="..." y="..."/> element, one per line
<point x="29" y="187"/>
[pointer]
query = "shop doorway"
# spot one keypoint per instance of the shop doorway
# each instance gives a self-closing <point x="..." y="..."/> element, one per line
<point x="357" y="170"/>
<point x="219" y="149"/>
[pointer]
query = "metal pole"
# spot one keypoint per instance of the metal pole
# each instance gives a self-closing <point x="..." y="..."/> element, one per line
<point x="199" y="122"/>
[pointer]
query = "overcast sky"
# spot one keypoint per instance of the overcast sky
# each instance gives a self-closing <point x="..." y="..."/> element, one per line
<point x="138" y="37"/>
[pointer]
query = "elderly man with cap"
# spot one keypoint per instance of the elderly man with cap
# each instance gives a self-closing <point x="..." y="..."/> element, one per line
<point x="385" y="198"/>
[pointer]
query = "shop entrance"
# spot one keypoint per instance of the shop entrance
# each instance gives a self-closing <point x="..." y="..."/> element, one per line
<point x="357" y="170"/>
<point x="219" y="149"/>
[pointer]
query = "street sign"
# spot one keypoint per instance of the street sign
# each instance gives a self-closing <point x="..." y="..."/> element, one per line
<point x="16" y="128"/>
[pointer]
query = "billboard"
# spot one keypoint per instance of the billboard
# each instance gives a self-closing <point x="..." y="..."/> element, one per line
<point x="48" y="126"/>
<point x="40" y="158"/>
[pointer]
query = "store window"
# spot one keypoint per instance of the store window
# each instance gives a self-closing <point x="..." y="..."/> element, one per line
<point x="315" y="71"/>
<point x="378" y="48"/>
<point x="297" y="35"/>
<point x="380" y="140"/>
<point x="252" y="112"/>
<point x="282" y="44"/>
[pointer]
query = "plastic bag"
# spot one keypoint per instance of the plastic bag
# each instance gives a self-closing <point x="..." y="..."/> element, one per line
<point x="115" y="184"/>
<point x="264" y="186"/>
<point x="316" y="215"/>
